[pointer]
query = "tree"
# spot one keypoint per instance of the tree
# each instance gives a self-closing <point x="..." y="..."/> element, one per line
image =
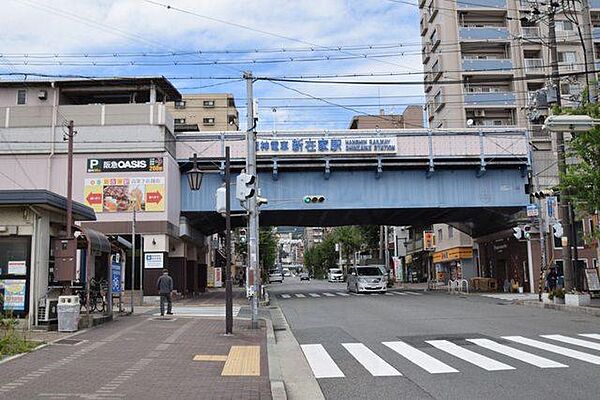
<point x="267" y="249"/>
<point x="350" y="238"/>
<point x="370" y="234"/>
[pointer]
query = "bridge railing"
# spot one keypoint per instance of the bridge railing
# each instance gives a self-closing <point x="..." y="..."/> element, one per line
<point x="485" y="145"/>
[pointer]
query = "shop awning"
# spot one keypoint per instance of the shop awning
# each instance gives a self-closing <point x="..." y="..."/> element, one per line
<point x="97" y="240"/>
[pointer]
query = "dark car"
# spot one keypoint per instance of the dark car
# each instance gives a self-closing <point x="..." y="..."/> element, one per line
<point x="304" y="276"/>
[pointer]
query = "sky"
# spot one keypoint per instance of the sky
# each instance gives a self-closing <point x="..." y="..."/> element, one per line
<point x="202" y="39"/>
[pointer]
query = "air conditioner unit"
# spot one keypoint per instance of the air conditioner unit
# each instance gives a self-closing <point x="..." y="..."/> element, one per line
<point x="47" y="310"/>
<point x="479" y="113"/>
<point x="43" y="94"/>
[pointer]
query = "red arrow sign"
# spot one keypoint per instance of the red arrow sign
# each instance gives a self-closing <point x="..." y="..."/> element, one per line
<point x="153" y="197"/>
<point x="94" y="198"/>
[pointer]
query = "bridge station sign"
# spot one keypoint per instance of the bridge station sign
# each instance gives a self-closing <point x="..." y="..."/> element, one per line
<point x="326" y="145"/>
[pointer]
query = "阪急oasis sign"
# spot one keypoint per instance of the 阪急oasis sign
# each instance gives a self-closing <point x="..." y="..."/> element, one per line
<point x="151" y="164"/>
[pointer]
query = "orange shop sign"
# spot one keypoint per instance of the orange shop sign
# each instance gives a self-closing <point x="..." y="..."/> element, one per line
<point x="455" y="253"/>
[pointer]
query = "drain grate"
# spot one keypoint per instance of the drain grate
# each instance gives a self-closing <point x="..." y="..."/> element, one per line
<point x="69" y="342"/>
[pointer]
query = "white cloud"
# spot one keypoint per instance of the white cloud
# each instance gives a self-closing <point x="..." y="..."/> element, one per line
<point x="91" y="26"/>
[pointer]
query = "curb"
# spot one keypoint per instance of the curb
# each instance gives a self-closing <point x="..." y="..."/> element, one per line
<point x="560" y="307"/>
<point x="277" y="385"/>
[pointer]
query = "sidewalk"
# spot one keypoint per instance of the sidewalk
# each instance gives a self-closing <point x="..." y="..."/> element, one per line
<point x="143" y="357"/>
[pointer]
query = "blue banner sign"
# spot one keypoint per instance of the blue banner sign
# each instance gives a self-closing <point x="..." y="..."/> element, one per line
<point x="326" y="145"/>
<point x="116" y="278"/>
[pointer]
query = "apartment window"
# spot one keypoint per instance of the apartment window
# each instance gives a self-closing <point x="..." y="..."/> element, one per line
<point x="231" y="120"/>
<point x="208" y="103"/>
<point x="564" y="26"/>
<point x="21" y="96"/>
<point x="180" y="104"/>
<point x="567" y="57"/>
<point x="208" y="121"/>
<point x="179" y="120"/>
<point x="437" y="101"/>
<point x="440" y="235"/>
<point x="450" y="232"/>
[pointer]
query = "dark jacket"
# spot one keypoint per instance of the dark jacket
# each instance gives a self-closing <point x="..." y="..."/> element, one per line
<point x="164" y="284"/>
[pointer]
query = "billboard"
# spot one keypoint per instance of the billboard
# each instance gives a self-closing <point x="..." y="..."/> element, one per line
<point x="109" y="195"/>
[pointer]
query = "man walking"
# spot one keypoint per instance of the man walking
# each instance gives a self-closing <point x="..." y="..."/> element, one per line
<point x="164" y="284"/>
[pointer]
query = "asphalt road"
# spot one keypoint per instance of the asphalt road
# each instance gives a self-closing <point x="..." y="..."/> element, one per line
<point x="414" y="345"/>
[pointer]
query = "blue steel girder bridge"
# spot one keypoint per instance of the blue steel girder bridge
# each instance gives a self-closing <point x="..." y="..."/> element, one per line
<point x="472" y="178"/>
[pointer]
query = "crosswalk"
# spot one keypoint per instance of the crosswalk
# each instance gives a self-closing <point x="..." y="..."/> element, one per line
<point x="287" y="296"/>
<point x="517" y="352"/>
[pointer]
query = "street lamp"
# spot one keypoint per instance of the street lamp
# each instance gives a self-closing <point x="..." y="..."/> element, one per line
<point x="570" y="123"/>
<point x="194" y="177"/>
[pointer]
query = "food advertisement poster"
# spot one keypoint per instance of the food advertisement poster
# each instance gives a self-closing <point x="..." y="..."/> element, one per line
<point x="108" y="195"/>
<point x="14" y="294"/>
<point x="17" y="268"/>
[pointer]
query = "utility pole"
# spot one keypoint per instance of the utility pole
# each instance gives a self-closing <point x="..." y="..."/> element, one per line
<point x="253" y="275"/>
<point x="70" y="181"/>
<point x="228" y="282"/>
<point x="588" y="50"/>
<point x="560" y="149"/>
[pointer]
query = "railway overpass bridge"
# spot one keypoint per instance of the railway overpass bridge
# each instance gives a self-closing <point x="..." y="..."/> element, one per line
<point x="472" y="178"/>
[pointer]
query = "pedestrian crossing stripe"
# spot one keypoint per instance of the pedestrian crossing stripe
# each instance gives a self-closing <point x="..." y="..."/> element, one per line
<point x="327" y="294"/>
<point x="590" y="335"/>
<point x="324" y="366"/>
<point x="313" y="295"/>
<point x="299" y="295"/>
<point x="286" y="296"/>
<point x="342" y="294"/>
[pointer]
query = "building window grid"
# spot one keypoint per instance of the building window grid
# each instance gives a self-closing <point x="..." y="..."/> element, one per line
<point x="21" y="96"/>
<point x="180" y="104"/>
<point x="208" y="103"/>
<point x="208" y="121"/>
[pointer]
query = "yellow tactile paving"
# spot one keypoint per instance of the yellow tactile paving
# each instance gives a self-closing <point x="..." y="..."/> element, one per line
<point x="209" y="357"/>
<point x="242" y="361"/>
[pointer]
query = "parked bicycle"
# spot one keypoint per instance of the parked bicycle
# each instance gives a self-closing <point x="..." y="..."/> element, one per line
<point x="98" y="292"/>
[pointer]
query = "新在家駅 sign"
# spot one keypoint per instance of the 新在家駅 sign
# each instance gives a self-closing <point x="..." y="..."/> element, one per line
<point x="326" y="145"/>
<point x="146" y="164"/>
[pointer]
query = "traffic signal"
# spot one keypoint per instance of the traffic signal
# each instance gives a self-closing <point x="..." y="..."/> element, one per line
<point x="312" y="199"/>
<point x="244" y="186"/>
<point x="242" y="236"/>
<point x="518" y="232"/>
<point x="557" y="230"/>
<point x="527" y="231"/>
<point x="541" y="194"/>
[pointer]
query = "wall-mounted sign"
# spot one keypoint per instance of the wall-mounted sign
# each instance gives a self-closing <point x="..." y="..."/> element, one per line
<point x="326" y="145"/>
<point x="428" y="241"/>
<point x="125" y="194"/>
<point x="17" y="268"/>
<point x="14" y="291"/>
<point x="152" y="164"/>
<point x="455" y="253"/>
<point x="153" y="260"/>
<point x="116" y="277"/>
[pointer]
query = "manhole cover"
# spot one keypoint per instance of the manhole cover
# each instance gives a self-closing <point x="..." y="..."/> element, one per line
<point x="69" y="342"/>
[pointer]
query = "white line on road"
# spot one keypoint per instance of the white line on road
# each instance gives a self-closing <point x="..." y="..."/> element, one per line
<point x="517" y="354"/>
<point x="286" y="296"/>
<point x="590" y="335"/>
<point x="371" y="361"/>
<point x="328" y="294"/>
<point x="415" y="294"/>
<point x="374" y="294"/>
<point x="313" y="295"/>
<point x="388" y="294"/>
<point x="579" y="355"/>
<point x="421" y="359"/>
<point x="342" y="294"/>
<point x="399" y="293"/>
<point x="299" y="295"/>
<point x="321" y="362"/>
<point x="469" y="356"/>
<point x="576" y="342"/>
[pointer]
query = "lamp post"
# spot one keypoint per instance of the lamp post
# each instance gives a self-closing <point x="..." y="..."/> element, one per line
<point x="194" y="177"/>
<point x="573" y="124"/>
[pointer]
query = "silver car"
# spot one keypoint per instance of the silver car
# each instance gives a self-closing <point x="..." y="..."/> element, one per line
<point x="368" y="278"/>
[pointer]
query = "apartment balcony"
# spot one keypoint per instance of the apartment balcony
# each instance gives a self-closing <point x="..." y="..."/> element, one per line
<point x="531" y="33"/>
<point x="486" y="5"/>
<point x="486" y="34"/>
<point x="484" y="65"/>
<point x="424" y="24"/>
<point x="534" y="66"/>
<point x="102" y="126"/>
<point x="490" y="99"/>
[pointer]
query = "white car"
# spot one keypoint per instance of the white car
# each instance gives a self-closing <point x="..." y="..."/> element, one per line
<point x="335" y="275"/>
<point x="275" y="276"/>
<point x="367" y="279"/>
<point x="286" y="272"/>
